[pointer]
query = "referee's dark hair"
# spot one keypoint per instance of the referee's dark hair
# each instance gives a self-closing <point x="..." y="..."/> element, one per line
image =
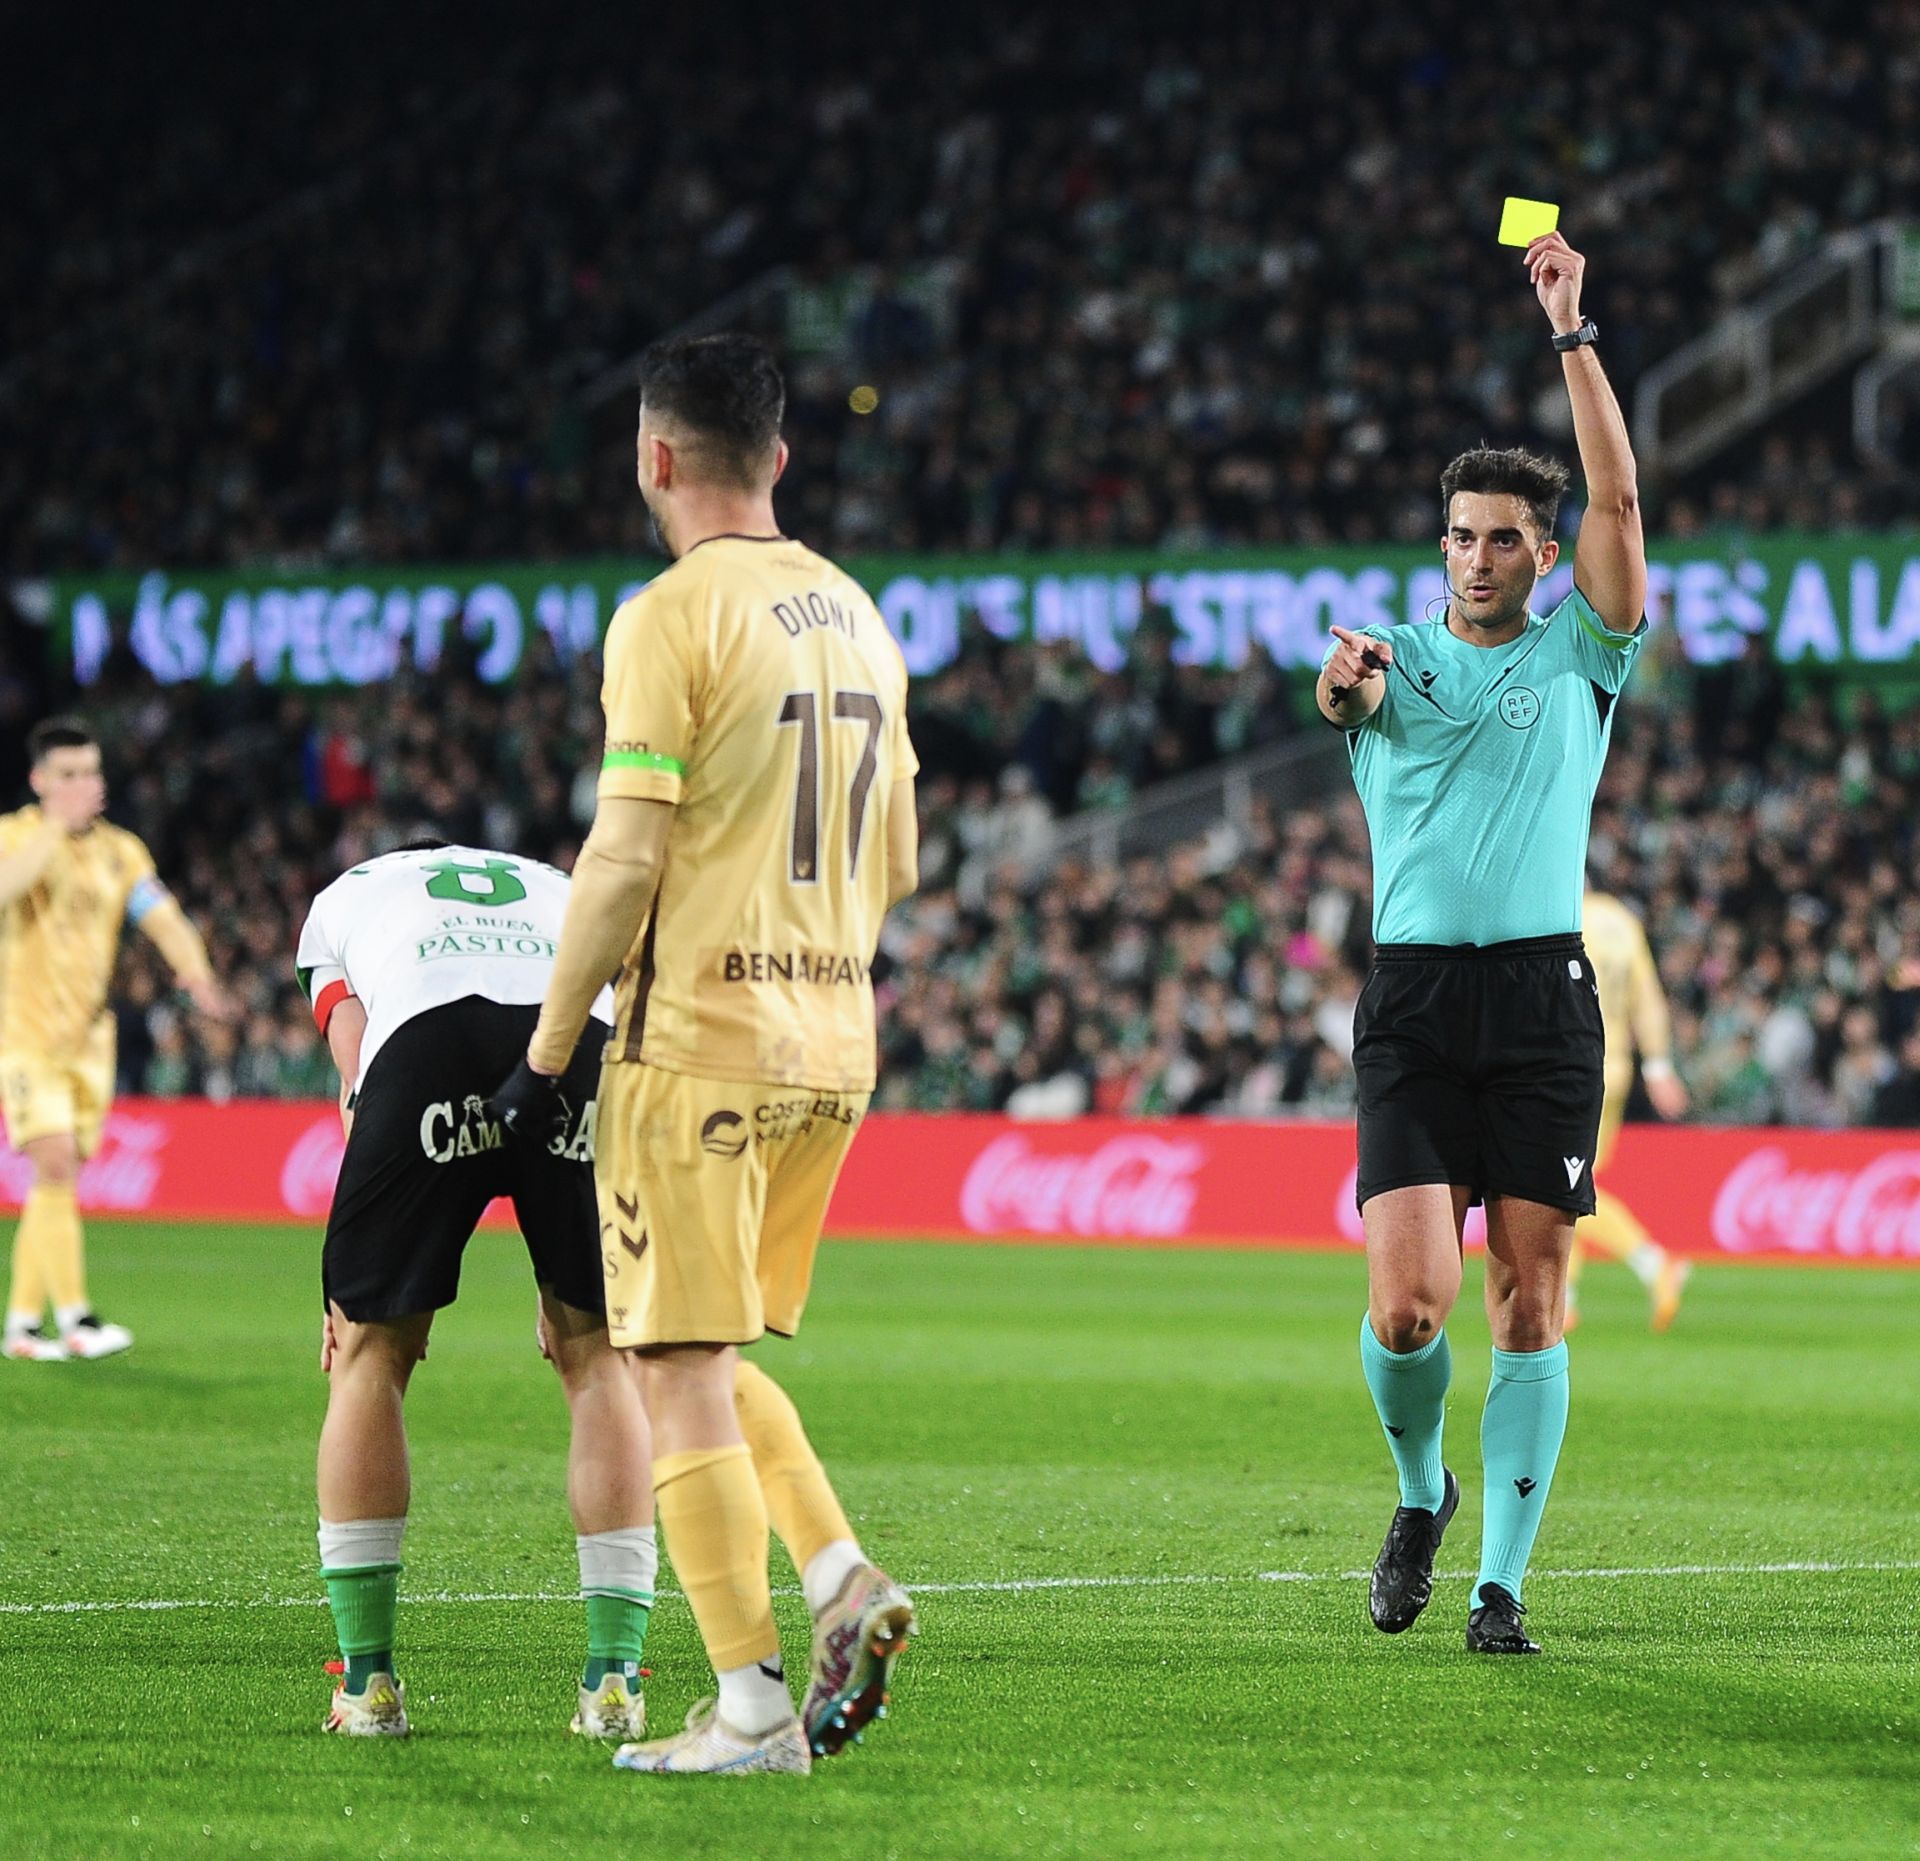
<point x="1538" y="483"/>
<point x="726" y="392"/>
<point x="57" y="733"/>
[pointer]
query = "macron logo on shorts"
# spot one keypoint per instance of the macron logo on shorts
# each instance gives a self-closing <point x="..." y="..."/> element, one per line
<point x="1574" y="1166"/>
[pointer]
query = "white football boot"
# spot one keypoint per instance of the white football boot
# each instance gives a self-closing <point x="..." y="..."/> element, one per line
<point x="711" y="1747"/>
<point x="616" y="1708"/>
<point x="856" y="1640"/>
<point x="90" y="1336"/>
<point x="379" y="1712"/>
<point x="34" y="1344"/>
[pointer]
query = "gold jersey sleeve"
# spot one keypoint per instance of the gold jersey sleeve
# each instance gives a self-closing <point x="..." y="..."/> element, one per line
<point x="1633" y="1006"/>
<point x="59" y="940"/>
<point x="756" y="686"/>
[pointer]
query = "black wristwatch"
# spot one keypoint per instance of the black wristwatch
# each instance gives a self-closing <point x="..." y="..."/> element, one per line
<point x="1588" y="332"/>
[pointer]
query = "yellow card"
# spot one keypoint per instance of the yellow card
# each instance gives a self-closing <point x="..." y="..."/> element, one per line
<point x="1524" y="221"/>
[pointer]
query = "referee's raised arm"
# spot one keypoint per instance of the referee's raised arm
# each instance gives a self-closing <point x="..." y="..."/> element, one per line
<point x="1610" y="557"/>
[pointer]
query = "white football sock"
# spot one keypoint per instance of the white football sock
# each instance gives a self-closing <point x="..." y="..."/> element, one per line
<point x="754" y="1699"/>
<point x="621" y="1562"/>
<point x="65" y="1317"/>
<point x="827" y="1569"/>
<point x="361" y="1544"/>
<point x="1646" y="1260"/>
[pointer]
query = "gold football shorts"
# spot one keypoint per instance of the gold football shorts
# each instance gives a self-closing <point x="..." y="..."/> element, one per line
<point x="46" y="1095"/>
<point x="711" y="1199"/>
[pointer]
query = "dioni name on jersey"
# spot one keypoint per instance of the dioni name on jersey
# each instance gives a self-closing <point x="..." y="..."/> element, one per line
<point x="799" y="612"/>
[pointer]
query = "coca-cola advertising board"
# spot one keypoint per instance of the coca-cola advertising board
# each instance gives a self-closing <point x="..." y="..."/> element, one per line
<point x="1726" y="1194"/>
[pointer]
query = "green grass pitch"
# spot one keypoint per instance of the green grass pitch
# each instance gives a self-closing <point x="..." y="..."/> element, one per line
<point x="1190" y="1427"/>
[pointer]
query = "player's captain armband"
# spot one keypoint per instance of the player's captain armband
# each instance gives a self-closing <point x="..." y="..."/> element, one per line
<point x="147" y="895"/>
<point x="633" y="770"/>
<point x="326" y="989"/>
<point x="638" y="756"/>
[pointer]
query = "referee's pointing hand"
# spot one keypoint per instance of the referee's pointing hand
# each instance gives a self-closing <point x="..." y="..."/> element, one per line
<point x="1358" y="657"/>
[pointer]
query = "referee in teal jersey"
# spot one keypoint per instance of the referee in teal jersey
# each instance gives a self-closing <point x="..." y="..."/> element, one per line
<point x="1477" y="741"/>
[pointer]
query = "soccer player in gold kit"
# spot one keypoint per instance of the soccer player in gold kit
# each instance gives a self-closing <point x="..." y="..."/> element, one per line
<point x="1634" y="1010"/>
<point x="755" y="824"/>
<point x="68" y="879"/>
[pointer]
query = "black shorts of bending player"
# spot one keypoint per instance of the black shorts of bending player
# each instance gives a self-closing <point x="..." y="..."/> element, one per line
<point x="1481" y="1066"/>
<point x="424" y="1160"/>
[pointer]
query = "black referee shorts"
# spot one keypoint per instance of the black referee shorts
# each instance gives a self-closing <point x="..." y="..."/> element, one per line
<point x="1482" y="1066"/>
<point x="424" y="1160"/>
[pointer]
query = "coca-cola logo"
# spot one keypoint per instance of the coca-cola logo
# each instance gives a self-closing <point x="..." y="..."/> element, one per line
<point x="1869" y="1213"/>
<point x="1129" y="1186"/>
<point x="313" y="1167"/>
<point x="122" y="1174"/>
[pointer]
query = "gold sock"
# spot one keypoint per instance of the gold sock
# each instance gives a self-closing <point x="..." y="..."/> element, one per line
<point x="715" y="1522"/>
<point x="27" y="1296"/>
<point x="1612" y="1229"/>
<point x="805" y="1512"/>
<point x="56" y="1211"/>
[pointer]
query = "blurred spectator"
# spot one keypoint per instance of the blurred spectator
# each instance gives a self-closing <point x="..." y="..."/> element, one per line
<point x="1897" y="1103"/>
<point x="171" y="1072"/>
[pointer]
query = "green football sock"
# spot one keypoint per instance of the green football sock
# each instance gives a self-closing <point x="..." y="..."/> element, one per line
<point x="1410" y="1393"/>
<point x="362" y="1667"/>
<point x="1521" y="1429"/>
<point x="616" y="1636"/>
<point x="365" y="1605"/>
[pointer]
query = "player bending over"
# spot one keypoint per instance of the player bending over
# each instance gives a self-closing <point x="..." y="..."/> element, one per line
<point x="425" y="968"/>
<point x="1633" y="1009"/>
<point x="68" y="880"/>
<point x="756" y="821"/>
<point x="431" y="959"/>
<point x="1477" y="741"/>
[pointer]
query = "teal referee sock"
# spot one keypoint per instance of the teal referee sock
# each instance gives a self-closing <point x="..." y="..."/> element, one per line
<point x="1521" y="1429"/>
<point x="1410" y="1393"/>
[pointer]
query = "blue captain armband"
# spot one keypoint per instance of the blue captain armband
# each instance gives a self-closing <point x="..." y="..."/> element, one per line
<point x="146" y="894"/>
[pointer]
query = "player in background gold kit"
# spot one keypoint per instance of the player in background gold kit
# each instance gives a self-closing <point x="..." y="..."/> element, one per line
<point x="68" y="879"/>
<point x="756" y="823"/>
<point x="1634" y="1009"/>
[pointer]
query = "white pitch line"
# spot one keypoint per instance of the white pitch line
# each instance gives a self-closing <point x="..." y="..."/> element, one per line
<point x="1008" y="1586"/>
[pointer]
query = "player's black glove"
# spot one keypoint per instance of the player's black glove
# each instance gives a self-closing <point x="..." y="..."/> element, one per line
<point x="531" y="1106"/>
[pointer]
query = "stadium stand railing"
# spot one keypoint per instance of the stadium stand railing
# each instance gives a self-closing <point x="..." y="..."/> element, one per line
<point x="754" y="306"/>
<point x="1187" y="807"/>
<point x="1830" y="311"/>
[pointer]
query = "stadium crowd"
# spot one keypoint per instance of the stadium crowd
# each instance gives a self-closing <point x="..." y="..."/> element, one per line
<point x="1117" y="279"/>
<point x="1769" y="844"/>
<point x="1769" y="848"/>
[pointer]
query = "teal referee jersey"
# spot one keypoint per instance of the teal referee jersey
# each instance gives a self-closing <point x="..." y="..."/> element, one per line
<point x="1477" y="773"/>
